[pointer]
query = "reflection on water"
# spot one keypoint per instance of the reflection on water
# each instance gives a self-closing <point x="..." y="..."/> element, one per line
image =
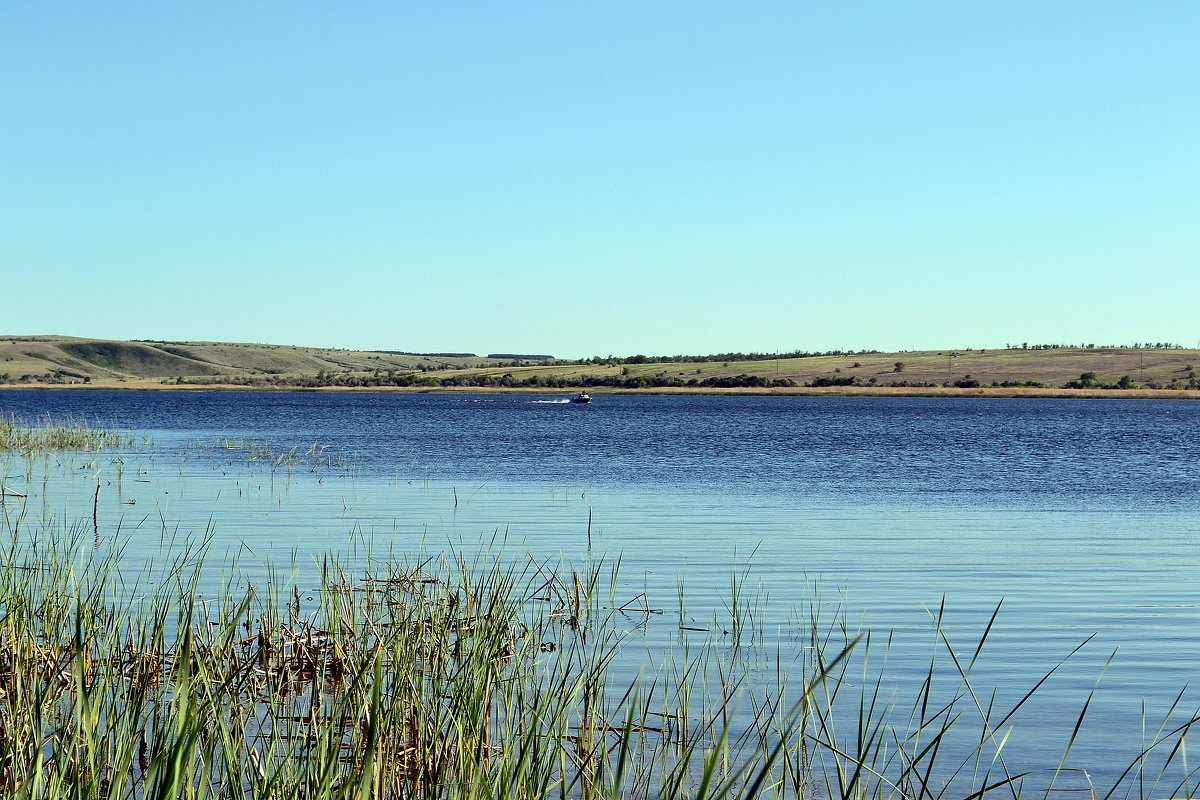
<point x="1079" y="515"/>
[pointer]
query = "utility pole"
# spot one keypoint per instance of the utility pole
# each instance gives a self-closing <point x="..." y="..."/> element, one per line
<point x="950" y="363"/>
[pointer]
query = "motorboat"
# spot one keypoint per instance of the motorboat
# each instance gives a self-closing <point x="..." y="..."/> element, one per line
<point x="582" y="397"/>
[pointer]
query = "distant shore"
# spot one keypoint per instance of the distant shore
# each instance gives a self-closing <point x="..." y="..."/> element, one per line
<point x="780" y="391"/>
<point x="1160" y="370"/>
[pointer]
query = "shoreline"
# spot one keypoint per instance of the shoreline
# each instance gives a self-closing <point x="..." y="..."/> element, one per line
<point x="1036" y="392"/>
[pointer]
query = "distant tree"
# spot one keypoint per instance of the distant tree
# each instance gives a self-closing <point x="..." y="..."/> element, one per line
<point x="1086" y="381"/>
<point x="898" y="366"/>
<point x="825" y="380"/>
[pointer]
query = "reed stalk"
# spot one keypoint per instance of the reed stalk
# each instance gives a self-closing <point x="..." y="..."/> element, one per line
<point x="476" y="674"/>
<point x="44" y="433"/>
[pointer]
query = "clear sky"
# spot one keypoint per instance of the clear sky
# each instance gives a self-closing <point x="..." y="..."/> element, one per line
<point x="595" y="178"/>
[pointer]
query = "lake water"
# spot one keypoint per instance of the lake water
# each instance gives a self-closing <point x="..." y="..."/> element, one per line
<point x="1079" y="514"/>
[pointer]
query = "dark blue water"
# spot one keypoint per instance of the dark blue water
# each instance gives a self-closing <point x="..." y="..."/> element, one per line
<point x="903" y="452"/>
<point x="1079" y="514"/>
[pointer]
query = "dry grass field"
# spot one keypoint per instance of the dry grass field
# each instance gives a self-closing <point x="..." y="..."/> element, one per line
<point x="1051" y="368"/>
<point x="56" y="360"/>
<point x="104" y="361"/>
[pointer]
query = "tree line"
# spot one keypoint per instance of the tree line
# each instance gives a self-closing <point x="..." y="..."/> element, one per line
<point x="508" y="380"/>
<point x="611" y="360"/>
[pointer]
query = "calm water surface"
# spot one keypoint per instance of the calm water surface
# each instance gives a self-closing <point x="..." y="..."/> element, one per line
<point x="1079" y="514"/>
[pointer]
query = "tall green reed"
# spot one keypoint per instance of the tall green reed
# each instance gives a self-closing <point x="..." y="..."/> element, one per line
<point x="45" y="433"/>
<point x="472" y="674"/>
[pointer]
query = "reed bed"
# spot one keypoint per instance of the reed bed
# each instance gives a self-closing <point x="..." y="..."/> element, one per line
<point x="45" y="433"/>
<point x="451" y="677"/>
<point x="316" y="458"/>
<point x="475" y="675"/>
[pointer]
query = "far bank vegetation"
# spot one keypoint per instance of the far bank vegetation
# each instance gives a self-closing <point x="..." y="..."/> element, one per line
<point x="53" y="361"/>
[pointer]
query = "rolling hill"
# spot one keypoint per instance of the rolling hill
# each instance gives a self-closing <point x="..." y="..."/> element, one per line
<point x="61" y="360"/>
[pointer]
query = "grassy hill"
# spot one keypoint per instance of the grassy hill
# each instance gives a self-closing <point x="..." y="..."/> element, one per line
<point x="63" y="359"/>
<point x="1050" y="368"/>
<point x="56" y="360"/>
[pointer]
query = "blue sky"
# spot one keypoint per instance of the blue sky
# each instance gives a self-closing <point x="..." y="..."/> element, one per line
<point x="587" y="179"/>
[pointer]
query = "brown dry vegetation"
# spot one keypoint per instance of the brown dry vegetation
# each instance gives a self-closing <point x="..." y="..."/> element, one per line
<point x="57" y="360"/>
<point x="119" y="362"/>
